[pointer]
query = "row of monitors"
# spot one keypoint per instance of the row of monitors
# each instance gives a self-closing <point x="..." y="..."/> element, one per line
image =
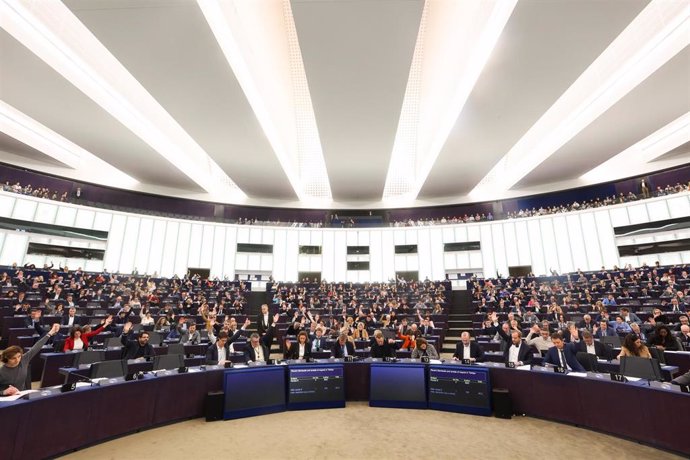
<point x="269" y="389"/>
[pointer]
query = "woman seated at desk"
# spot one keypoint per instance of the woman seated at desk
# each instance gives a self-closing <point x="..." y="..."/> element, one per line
<point x="633" y="346"/>
<point x="78" y="339"/>
<point x="424" y="348"/>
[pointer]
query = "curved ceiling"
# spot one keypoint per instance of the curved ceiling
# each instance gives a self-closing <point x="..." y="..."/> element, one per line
<point x="345" y="103"/>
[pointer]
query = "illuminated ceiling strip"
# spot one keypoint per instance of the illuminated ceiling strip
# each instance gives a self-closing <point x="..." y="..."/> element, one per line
<point x="454" y="42"/>
<point x="628" y="162"/>
<point x="253" y="38"/>
<point x="32" y="133"/>
<point x="52" y="32"/>
<point x="657" y="34"/>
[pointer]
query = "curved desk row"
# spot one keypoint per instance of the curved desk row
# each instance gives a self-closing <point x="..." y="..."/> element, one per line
<point x="61" y="422"/>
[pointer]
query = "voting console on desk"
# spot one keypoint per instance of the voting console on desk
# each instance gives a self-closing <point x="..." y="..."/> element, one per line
<point x="398" y="385"/>
<point x="253" y="391"/>
<point x="465" y="389"/>
<point x="316" y="386"/>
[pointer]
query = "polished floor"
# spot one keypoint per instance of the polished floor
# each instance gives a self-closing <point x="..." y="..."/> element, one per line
<point x="360" y="432"/>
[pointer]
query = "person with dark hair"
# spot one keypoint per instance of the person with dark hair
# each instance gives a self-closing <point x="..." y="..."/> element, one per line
<point x="663" y="339"/>
<point x="79" y="337"/>
<point x="301" y="349"/>
<point x="633" y="346"/>
<point x="135" y="349"/>
<point x="256" y="350"/>
<point x="13" y="373"/>
<point x="424" y="349"/>
<point x="518" y="352"/>
<point x="591" y="346"/>
<point x="342" y="347"/>
<point x="218" y="352"/>
<point x="562" y="354"/>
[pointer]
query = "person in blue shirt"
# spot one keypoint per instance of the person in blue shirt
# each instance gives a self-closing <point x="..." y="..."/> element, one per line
<point x="620" y="326"/>
<point x="609" y="300"/>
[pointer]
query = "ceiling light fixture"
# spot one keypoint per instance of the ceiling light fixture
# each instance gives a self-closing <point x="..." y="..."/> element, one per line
<point x="629" y="161"/>
<point x="253" y="37"/>
<point x="454" y="43"/>
<point x="52" y="32"/>
<point x="657" y="34"/>
<point x="32" y="133"/>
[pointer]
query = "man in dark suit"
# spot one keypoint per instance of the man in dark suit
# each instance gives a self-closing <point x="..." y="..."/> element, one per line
<point x="562" y="354"/>
<point x="382" y="348"/>
<point x="218" y="352"/>
<point x="604" y="330"/>
<point x="342" y="347"/>
<point x="256" y="350"/>
<point x="71" y="319"/>
<point x="586" y="324"/>
<point x="425" y="329"/>
<point x="263" y="321"/>
<point x="138" y="348"/>
<point x="518" y="352"/>
<point x="591" y="346"/>
<point x="467" y="349"/>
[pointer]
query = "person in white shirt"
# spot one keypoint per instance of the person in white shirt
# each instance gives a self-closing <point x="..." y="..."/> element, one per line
<point x="256" y="351"/>
<point x="301" y="349"/>
<point x="539" y="338"/>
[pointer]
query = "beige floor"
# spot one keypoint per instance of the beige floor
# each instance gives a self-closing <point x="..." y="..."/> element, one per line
<point x="360" y="432"/>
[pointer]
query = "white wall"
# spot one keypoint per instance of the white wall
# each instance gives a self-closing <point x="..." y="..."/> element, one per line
<point x="564" y="242"/>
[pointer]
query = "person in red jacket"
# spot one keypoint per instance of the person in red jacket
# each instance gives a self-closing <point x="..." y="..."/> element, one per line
<point x="79" y="337"/>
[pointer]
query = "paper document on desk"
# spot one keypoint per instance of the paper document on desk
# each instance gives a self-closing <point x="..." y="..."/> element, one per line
<point x="435" y="361"/>
<point x="16" y="396"/>
<point x="526" y="367"/>
<point x="578" y="374"/>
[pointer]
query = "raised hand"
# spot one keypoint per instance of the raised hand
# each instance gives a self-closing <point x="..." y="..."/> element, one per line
<point x="55" y="328"/>
<point x="128" y="326"/>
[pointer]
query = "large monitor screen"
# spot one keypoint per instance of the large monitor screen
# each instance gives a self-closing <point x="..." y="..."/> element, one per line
<point x="460" y="389"/>
<point x="316" y="386"/>
<point x="398" y="385"/>
<point x="254" y="391"/>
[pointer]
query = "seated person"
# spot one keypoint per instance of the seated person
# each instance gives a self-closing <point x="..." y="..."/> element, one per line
<point x="135" y="349"/>
<point x="633" y="346"/>
<point x="218" y="353"/>
<point x="562" y="354"/>
<point x="467" y="349"/>
<point x="13" y="373"/>
<point x="360" y="332"/>
<point x="191" y="336"/>
<point x="318" y="342"/>
<point x="79" y="337"/>
<point x="620" y="326"/>
<point x="423" y="349"/>
<point x="256" y="351"/>
<point x="409" y="338"/>
<point x="518" y="352"/>
<point x="539" y="338"/>
<point x="382" y="348"/>
<point x="591" y="346"/>
<point x="301" y="349"/>
<point x="342" y="347"/>
<point x="604" y="330"/>
<point x="663" y="339"/>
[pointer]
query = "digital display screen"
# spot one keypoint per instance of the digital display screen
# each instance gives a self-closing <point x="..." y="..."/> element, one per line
<point x="460" y="389"/>
<point x="254" y="391"/>
<point x="316" y="386"/>
<point x="398" y="385"/>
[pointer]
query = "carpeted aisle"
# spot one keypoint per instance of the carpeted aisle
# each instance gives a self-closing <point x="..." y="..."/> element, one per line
<point x="360" y="432"/>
